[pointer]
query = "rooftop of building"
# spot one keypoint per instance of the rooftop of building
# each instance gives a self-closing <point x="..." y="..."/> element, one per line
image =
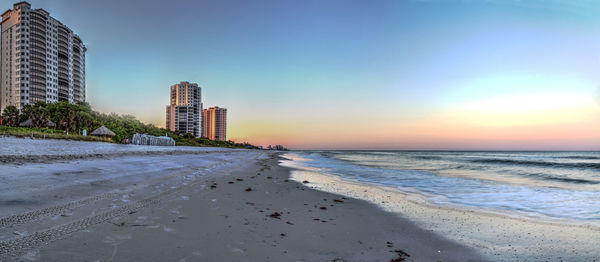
<point x="215" y="108"/>
<point x="41" y="10"/>
<point x="186" y="83"/>
<point x="21" y="3"/>
<point x="16" y="5"/>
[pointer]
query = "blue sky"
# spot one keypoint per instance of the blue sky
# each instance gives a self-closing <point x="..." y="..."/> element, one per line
<point x="347" y="74"/>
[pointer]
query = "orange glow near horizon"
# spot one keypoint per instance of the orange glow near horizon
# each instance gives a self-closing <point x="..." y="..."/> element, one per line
<point x="552" y="122"/>
<point x="480" y="125"/>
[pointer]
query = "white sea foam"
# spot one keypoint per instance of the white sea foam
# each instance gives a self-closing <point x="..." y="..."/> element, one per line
<point x="500" y="235"/>
<point x="532" y="200"/>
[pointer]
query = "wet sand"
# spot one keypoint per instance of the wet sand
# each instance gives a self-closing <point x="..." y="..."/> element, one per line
<point x="499" y="237"/>
<point x="218" y="206"/>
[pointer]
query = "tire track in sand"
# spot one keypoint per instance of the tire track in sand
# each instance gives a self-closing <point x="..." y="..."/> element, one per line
<point x="19" y="245"/>
<point x="53" y="210"/>
<point x="41" y="237"/>
<point x="23" y="218"/>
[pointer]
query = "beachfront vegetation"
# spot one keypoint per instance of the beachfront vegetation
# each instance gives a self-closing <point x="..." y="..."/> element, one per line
<point x="45" y="133"/>
<point x="72" y="119"/>
<point x="11" y="116"/>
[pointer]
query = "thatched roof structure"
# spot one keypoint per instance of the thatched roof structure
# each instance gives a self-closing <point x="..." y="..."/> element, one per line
<point x="29" y="123"/>
<point x="102" y="131"/>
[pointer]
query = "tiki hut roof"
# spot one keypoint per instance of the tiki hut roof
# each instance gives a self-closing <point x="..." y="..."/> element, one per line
<point x="28" y="122"/>
<point x="102" y="131"/>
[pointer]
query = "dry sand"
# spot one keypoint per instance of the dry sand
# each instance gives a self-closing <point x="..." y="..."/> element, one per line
<point x="236" y="206"/>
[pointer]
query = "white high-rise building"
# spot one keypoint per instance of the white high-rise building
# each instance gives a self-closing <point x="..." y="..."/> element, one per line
<point x="41" y="59"/>
<point x="185" y="109"/>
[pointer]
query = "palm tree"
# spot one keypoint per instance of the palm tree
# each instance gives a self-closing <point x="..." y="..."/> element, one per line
<point x="37" y="113"/>
<point x="67" y="119"/>
<point x="82" y="120"/>
<point x="11" y="115"/>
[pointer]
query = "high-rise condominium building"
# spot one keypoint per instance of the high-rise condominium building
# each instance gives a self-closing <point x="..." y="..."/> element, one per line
<point x="184" y="112"/>
<point x="214" y="123"/>
<point x="41" y="59"/>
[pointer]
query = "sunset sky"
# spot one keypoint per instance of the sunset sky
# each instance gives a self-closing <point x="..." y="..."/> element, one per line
<point x="354" y="74"/>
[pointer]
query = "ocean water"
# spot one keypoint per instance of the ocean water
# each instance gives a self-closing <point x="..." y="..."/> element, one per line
<point x="549" y="185"/>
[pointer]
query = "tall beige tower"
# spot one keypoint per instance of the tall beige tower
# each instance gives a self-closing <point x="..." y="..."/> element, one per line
<point x="214" y="123"/>
<point x="184" y="110"/>
<point x="41" y="59"/>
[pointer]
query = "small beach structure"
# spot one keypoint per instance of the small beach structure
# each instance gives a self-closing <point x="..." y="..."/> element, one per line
<point x="29" y="123"/>
<point x="148" y="140"/>
<point x="103" y="132"/>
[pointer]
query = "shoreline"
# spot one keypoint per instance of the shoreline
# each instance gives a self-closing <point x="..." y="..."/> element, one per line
<point x="419" y="198"/>
<point x="240" y="205"/>
<point x="422" y="200"/>
<point x="489" y="232"/>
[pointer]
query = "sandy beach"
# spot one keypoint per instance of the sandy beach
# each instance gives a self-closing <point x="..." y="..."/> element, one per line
<point x="194" y="205"/>
<point x="315" y="131"/>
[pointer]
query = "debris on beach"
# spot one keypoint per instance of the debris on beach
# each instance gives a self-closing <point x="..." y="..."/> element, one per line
<point x="230" y="182"/>
<point x="338" y="201"/>
<point x="402" y="256"/>
<point x="248" y="189"/>
<point x="323" y="208"/>
<point x="214" y="185"/>
<point x="119" y="224"/>
<point x="275" y="215"/>
<point x="239" y="179"/>
<point x="305" y="182"/>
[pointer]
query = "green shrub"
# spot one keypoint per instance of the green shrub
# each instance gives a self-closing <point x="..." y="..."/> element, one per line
<point x="74" y="118"/>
